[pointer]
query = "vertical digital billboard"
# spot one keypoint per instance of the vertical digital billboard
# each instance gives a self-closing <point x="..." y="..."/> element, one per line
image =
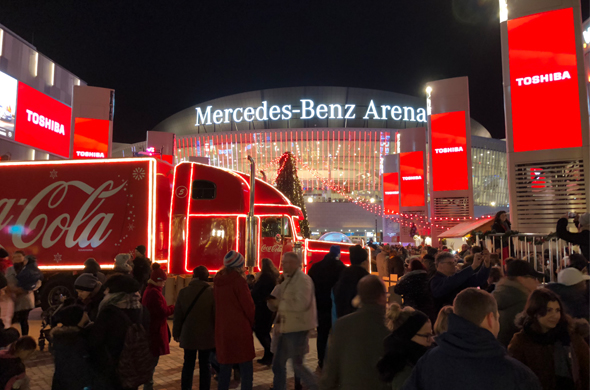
<point x="544" y="81"/>
<point x="391" y="193"/>
<point x="411" y="166"/>
<point x="8" y="87"/>
<point x="42" y="122"/>
<point x="91" y="138"/>
<point x="449" y="151"/>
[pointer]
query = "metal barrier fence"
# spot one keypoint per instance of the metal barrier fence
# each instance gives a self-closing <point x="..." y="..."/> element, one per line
<point x="532" y="251"/>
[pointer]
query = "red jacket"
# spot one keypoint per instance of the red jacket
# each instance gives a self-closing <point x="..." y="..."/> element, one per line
<point x="155" y="302"/>
<point x="234" y="319"/>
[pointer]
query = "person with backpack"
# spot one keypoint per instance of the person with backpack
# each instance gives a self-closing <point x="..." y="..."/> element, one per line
<point x="119" y="348"/>
<point x="155" y="303"/>
<point x="234" y="320"/>
<point x="194" y="328"/>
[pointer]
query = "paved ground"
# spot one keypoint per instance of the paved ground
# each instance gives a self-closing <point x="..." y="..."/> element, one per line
<point x="40" y="368"/>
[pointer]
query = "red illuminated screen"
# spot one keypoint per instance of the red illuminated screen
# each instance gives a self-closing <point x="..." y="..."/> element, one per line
<point x="391" y="193"/>
<point x="91" y="138"/>
<point x="544" y="81"/>
<point x="412" y="183"/>
<point x="42" y="122"/>
<point x="449" y="152"/>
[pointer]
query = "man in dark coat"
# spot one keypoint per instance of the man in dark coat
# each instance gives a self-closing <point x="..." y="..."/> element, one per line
<point x="325" y="274"/>
<point x="194" y="329"/>
<point x="447" y="282"/>
<point x="345" y="289"/>
<point x="582" y="238"/>
<point x="141" y="267"/>
<point x="468" y="356"/>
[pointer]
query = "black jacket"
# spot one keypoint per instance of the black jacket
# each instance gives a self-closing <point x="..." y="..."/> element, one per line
<point x="141" y="270"/>
<point x="261" y="290"/>
<point x="415" y="290"/>
<point x="444" y="288"/>
<point x="500" y="228"/>
<point x="71" y="358"/>
<point x="325" y="274"/>
<point x="469" y="358"/>
<point x="582" y="238"/>
<point x="345" y="289"/>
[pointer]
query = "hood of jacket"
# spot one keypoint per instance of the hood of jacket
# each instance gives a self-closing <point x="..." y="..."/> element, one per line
<point x="466" y="340"/>
<point x="509" y="293"/>
<point x="65" y="332"/>
<point x="414" y="274"/>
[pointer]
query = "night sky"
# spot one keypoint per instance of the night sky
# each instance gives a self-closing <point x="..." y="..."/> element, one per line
<point x="164" y="56"/>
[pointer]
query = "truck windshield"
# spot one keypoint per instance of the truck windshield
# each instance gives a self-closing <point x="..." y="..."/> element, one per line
<point x="271" y="226"/>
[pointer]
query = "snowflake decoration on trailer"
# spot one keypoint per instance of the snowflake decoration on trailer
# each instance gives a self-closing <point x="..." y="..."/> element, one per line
<point x="53" y="174"/>
<point x="138" y="173"/>
<point x="57" y="258"/>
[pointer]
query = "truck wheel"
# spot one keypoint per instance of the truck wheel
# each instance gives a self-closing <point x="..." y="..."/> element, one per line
<point x="55" y="290"/>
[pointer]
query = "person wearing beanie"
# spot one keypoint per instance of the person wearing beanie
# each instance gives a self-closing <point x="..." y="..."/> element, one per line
<point x="90" y="293"/>
<point x="155" y="303"/>
<point x="410" y="339"/>
<point x="356" y="342"/>
<point x="91" y="266"/>
<point x="325" y="274"/>
<point x="234" y="320"/>
<point x="69" y="344"/>
<point x="141" y="267"/>
<point x="120" y="308"/>
<point x="572" y="289"/>
<point x="344" y="290"/>
<point x="122" y="266"/>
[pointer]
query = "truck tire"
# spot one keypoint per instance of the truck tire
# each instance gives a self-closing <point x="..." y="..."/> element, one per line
<point x="57" y="287"/>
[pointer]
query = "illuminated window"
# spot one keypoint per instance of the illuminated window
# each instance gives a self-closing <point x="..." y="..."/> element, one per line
<point x="203" y="189"/>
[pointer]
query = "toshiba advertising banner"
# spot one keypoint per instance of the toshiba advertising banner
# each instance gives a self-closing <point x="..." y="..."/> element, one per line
<point x="91" y="138"/>
<point x="7" y="105"/>
<point x="449" y="151"/>
<point x="391" y="193"/>
<point x="544" y="81"/>
<point x="412" y="183"/>
<point x="42" y="122"/>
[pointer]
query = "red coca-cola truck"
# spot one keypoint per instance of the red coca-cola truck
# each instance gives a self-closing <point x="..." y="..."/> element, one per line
<point x="65" y="212"/>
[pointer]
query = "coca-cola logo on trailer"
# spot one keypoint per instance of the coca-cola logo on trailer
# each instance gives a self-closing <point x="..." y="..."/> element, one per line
<point x="66" y="209"/>
<point x="276" y="248"/>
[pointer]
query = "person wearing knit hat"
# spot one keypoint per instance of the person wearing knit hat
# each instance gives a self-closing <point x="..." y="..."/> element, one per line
<point x="233" y="259"/>
<point x="351" y="360"/>
<point x="91" y="266"/>
<point x="90" y="293"/>
<point x="122" y="264"/>
<point x="141" y="267"/>
<point x="234" y="320"/>
<point x="159" y="310"/>
<point x="410" y="339"/>
<point x="325" y="274"/>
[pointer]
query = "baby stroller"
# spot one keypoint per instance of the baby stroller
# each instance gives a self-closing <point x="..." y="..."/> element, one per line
<point x="48" y="322"/>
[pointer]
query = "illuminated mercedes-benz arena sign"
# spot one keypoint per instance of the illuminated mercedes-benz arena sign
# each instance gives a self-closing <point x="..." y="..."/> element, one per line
<point x="338" y="136"/>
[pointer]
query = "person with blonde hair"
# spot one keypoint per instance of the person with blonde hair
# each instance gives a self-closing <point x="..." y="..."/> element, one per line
<point x="410" y="339"/>
<point x="442" y="320"/>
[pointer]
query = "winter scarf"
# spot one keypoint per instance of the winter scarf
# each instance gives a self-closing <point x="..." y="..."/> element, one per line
<point x="121" y="300"/>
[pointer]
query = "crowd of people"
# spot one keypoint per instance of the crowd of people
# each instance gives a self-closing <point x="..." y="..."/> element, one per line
<point x="450" y="320"/>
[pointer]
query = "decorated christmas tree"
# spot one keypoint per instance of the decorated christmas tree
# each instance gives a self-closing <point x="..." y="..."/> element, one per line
<point x="288" y="183"/>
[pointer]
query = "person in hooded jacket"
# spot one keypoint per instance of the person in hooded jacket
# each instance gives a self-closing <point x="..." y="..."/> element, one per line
<point x="511" y="294"/>
<point x="581" y="238"/>
<point x="325" y="274"/>
<point x="410" y="339"/>
<point x="120" y="308"/>
<point x="159" y="310"/>
<point x="91" y="266"/>
<point x="415" y="290"/>
<point x="572" y="289"/>
<point x="70" y="350"/>
<point x="90" y="293"/>
<point x="345" y="289"/>
<point x="265" y="283"/>
<point x="548" y="344"/>
<point x="467" y="355"/>
<point x="234" y="320"/>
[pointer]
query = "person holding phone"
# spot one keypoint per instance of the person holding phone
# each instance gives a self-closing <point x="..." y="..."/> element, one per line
<point x="582" y="238"/>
